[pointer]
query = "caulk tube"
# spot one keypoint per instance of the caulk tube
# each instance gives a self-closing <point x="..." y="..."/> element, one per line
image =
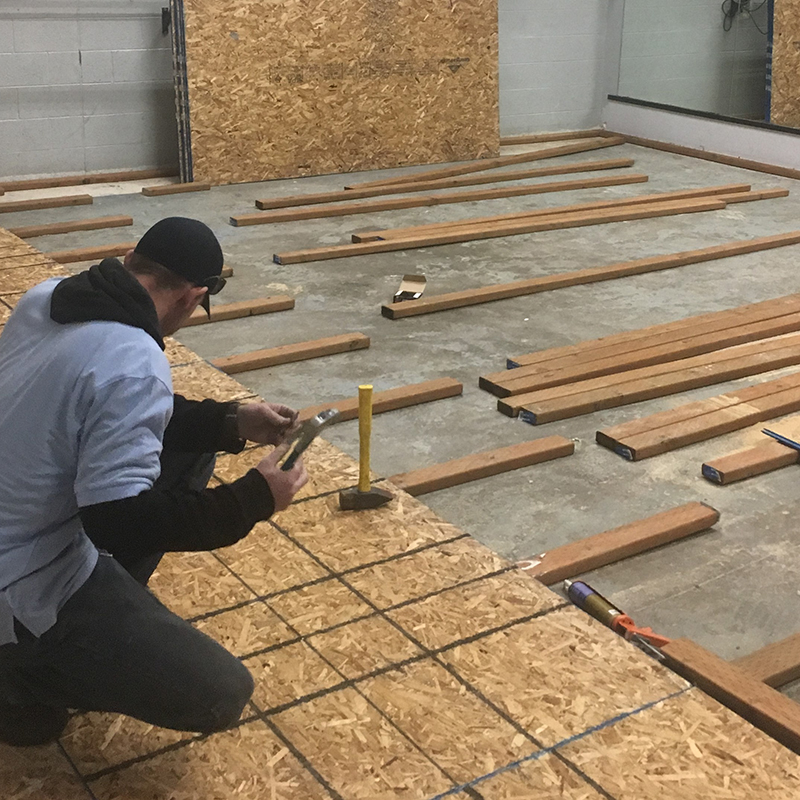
<point x="594" y="604"/>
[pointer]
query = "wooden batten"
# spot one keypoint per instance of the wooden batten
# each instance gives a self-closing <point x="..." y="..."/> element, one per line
<point x="609" y="547"/>
<point x="482" y="465"/>
<point x="702" y="420"/>
<point x="288" y="353"/>
<point x="419" y="201"/>
<point x="245" y="308"/>
<point x="7" y="206"/>
<point x="82" y="180"/>
<point x="767" y="709"/>
<point x="558" y="136"/>
<point x="503" y="291"/>
<point x="493" y="163"/>
<point x="720" y="192"/>
<point x="51" y="228"/>
<point x="467" y="234"/>
<point x="175" y="188"/>
<point x="90" y="253"/>
<point x="531" y="379"/>
<point x="748" y="463"/>
<point x="445" y="183"/>
<point x="776" y="664"/>
<point x="226" y="272"/>
<point x="391" y="399"/>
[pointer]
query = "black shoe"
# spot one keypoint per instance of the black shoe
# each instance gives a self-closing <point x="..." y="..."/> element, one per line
<point x="26" y="726"/>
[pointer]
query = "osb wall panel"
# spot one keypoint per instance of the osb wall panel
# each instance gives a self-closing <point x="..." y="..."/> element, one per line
<point x="305" y="87"/>
<point x="785" y="102"/>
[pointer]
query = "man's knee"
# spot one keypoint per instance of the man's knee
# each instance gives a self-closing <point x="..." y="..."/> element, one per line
<point x="226" y="701"/>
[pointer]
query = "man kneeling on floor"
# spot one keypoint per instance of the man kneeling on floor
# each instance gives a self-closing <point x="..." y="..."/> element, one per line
<point x="102" y="470"/>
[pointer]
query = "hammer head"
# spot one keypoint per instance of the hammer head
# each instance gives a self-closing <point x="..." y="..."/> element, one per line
<point x="353" y="500"/>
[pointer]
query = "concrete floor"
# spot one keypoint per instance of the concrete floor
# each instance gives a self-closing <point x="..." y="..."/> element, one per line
<point x="733" y="589"/>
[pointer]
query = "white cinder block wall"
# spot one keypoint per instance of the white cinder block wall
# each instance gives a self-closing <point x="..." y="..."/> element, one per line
<point x="85" y="87"/>
<point x="678" y="53"/>
<point x="559" y="60"/>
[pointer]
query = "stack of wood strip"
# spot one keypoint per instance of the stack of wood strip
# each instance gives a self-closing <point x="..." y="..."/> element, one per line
<point x="703" y="419"/>
<point x="650" y="362"/>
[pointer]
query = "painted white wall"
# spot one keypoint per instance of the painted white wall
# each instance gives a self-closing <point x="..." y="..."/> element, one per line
<point x="85" y="86"/>
<point x="677" y="53"/>
<point x="559" y="59"/>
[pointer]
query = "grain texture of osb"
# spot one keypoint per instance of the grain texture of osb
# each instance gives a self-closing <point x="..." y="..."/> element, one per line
<point x="785" y="68"/>
<point x="361" y="647"/>
<point x="473" y="608"/>
<point x="246" y="629"/>
<point x="688" y="746"/>
<point x="542" y="778"/>
<point x="269" y="562"/>
<point x="359" y="752"/>
<point x="429" y="705"/>
<point x="288" y="674"/>
<point x="348" y="539"/>
<point x="318" y="607"/>
<point x="199" y="380"/>
<point x="561" y="674"/>
<point x="30" y="259"/>
<point x="38" y="773"/>
<point x="177" y="353"/>
<point x="191" y="584"/>
<point x="96" y="741"/>
<point x="329" y="469"/>
<point x="20" y="279"/>
<point x="426" y="571"/>
<point x="248" y="763"/>
<point x="306" y="88"/>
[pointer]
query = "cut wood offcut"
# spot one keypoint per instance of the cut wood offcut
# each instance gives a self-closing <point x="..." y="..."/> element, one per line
<point x="482" y="465"/>
<point x="605" y="548"/>
<point x="288" y="353"/>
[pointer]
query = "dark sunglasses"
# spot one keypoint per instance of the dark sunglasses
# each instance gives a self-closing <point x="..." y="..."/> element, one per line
<point x="214" y="284"/>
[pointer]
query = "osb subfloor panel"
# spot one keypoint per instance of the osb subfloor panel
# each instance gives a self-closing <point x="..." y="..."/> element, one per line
<point x="395" y="657"/>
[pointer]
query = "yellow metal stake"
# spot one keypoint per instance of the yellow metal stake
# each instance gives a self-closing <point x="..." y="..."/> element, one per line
<point x="364" y="434"/>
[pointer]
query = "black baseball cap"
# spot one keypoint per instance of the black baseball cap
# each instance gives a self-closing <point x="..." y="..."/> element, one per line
<point x="188" y="248"/>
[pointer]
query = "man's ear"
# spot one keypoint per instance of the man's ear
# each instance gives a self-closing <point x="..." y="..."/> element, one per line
<point x="127" y="260"/>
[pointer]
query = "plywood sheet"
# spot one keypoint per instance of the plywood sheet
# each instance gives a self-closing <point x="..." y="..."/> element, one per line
<point x="178" y="353"/>
<point x="361" y="647"/>
<point x="318" y="607"/>
<point x="424" y="572"/>
<point x="473" y="608"/>
<point x="191" y="584"/>
<point x="428" y="704"/>
<point x="349" y="539"/>
<point x="38" y="772"/>
<point x="785" y="98"/>
<point x="288" y="674"/>
<point x="358" y="751"/>
<point x="688" y="746"/>
<point x="20" y="279"/>
<point x="268" y="562"/>
<point x="248" y="763"/>
<point x="554" y="675"/>
<point x="247" y="629"/>
<point x="97" y="741"/>
<point x="328" y="468"/>
<point x="291" y="88"/>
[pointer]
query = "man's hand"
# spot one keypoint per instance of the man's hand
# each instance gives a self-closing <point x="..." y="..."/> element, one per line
<point x="283" y="485"/>
<point x="265" y="423"/>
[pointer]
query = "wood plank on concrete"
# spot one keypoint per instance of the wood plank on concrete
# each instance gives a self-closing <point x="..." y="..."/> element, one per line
<point x="68" y="226"/>
<point x="750" y="462"/>
<point x="175" y="188"/>
<point x="620" y="543"/>
<point x="244" y="308"/>
<point x="390" y="399"/>
<point x="482" y="465"/>
<point x="8" y="206"/>
<point x="91" y="253"/>
<point x="763" y="706"/>
<point x="503" y="291"/>
<point x="288" y="353"/>
<point x="776" y="664"/>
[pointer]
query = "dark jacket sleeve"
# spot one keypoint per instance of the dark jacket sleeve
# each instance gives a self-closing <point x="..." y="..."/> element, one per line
<point x="158" y="521"/>
<point x="202" y="426"/>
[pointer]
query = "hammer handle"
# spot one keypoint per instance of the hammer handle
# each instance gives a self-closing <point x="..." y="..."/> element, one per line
<point x="364" y="433"/>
